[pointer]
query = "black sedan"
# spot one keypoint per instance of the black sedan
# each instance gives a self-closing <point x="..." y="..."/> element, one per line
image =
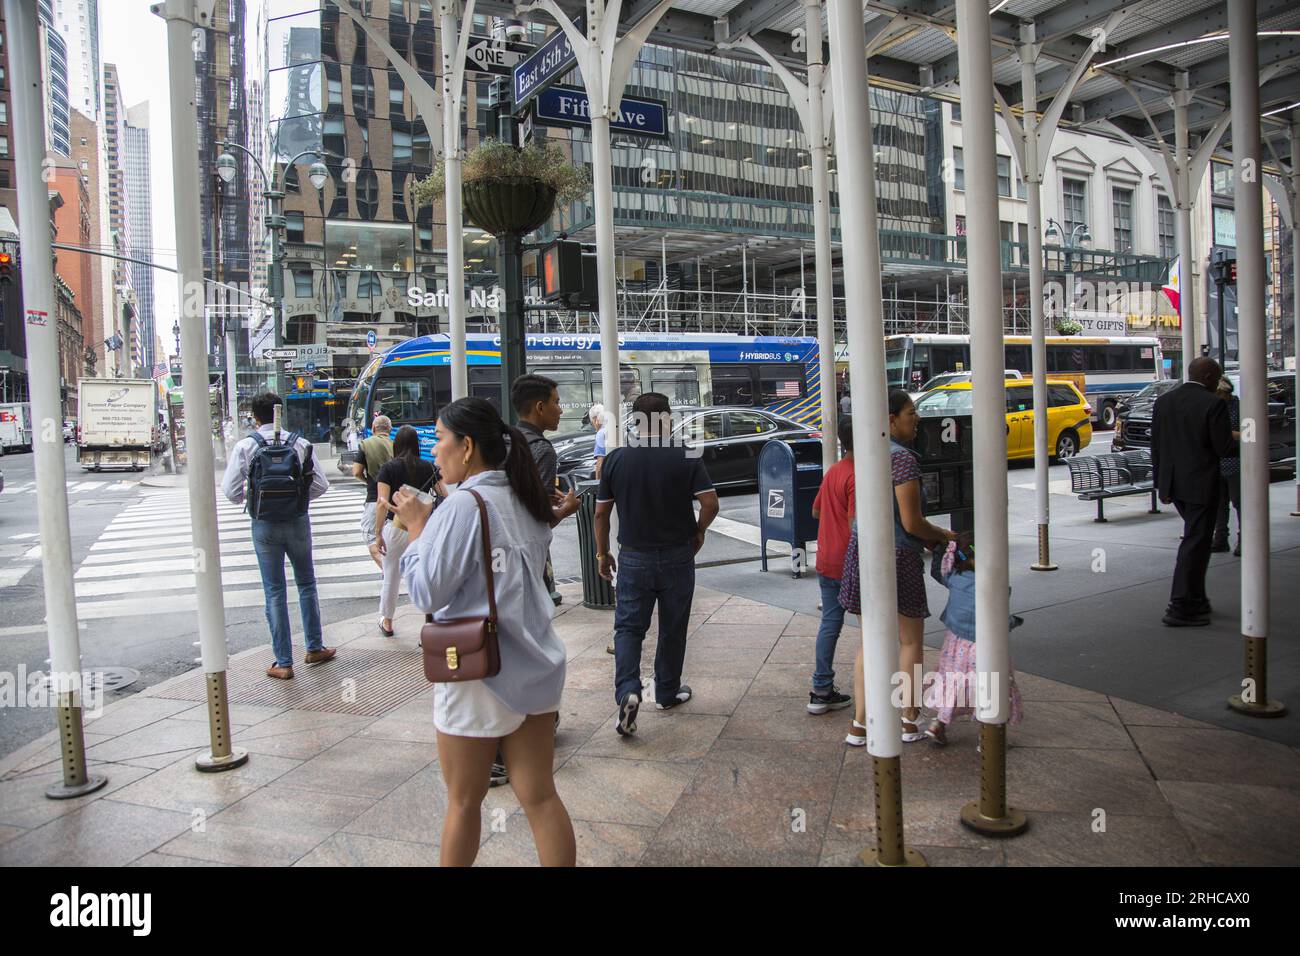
<point x="728" y="438"/>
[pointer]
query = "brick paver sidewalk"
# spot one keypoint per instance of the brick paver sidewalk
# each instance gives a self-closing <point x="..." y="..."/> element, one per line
<point x="344" y="768"/>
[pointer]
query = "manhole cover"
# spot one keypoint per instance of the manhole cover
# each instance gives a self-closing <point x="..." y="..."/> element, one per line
<point x="111" y="678"/>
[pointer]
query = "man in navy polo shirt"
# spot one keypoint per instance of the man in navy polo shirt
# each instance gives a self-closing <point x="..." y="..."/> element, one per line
<point x="654" y="484"/>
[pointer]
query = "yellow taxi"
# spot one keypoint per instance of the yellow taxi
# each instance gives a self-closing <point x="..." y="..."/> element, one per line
<point x="1069" y="416"/>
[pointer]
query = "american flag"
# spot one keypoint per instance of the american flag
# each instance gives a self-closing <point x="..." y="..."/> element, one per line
<point x="160" y="370"/>
<point x="787" y="389"/>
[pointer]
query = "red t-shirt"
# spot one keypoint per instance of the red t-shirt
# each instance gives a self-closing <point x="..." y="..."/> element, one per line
<point x="834" y="502"/>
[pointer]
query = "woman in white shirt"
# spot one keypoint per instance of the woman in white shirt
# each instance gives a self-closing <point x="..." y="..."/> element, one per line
<point x="443" y="571"/>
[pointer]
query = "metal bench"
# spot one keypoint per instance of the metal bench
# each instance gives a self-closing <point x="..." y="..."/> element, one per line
<point x="1098" y="477"/>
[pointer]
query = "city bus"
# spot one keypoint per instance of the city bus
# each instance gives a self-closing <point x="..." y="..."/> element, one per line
<point x="313" y="408"/>
<point x="412" y="380"/>
<point x="1106" y="369"/>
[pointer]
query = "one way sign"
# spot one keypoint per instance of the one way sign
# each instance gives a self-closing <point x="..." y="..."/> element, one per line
<point x="487" y="56"/>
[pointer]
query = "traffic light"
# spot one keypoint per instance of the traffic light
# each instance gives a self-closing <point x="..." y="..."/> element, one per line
<point x="6" y="268"/>
<point x="1223" y="268"/>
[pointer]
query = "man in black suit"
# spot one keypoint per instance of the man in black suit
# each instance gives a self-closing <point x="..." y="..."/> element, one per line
<point x="1190" y="432"/>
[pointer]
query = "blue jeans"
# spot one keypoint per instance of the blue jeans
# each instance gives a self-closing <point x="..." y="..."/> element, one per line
<point x="828" y="635"/>
<point x="666" y="576"/>
<point x="274" y="541"/>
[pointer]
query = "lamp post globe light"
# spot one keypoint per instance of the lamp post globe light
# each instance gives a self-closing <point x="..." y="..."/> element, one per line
<point x="1080" y="238"/>
<point x="317" y="174"/>
<point x="1079" y="235"/>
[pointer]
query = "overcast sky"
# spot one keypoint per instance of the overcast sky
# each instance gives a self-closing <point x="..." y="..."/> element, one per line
<point x="135" y="41"/>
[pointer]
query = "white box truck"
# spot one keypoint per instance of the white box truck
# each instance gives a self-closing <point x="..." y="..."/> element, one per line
<point x="15" y="427"/>
<point x="116" y="422"/>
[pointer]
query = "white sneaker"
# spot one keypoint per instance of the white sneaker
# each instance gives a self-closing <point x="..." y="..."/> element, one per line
<point x="857" y="735"/>
<point x="915" y="734"/>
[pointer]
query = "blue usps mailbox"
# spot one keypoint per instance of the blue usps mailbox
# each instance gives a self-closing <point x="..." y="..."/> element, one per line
<point x="789" y="476"/>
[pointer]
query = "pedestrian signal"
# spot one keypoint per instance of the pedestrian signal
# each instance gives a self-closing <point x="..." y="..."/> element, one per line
<point x="6" y="268"/>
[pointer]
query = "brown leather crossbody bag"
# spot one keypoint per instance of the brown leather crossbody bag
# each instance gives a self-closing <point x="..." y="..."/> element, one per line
<point x="466" y="649"/>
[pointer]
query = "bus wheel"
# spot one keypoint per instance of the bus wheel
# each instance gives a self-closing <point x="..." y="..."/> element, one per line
<point x="1108" y="415"/>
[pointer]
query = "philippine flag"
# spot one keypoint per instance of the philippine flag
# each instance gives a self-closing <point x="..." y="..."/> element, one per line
<point x="1172" y="284"/>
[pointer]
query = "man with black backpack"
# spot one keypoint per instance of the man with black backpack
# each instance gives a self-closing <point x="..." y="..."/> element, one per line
<point x="274" y="473"/>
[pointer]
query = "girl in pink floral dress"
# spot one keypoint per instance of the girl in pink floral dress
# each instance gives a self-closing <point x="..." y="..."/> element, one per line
<point x="956" y="682"/>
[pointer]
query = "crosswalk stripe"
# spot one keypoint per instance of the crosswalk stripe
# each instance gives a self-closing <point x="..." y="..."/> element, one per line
<point x="223" y="534"/>
<point x="130" y="569"/>
<point x="354" y="569"/>
<point x="74" y="487"/>
<point x="154" y="605"/>
<point x="132" y="514"/>
<point x="176" y="504"/>
<point x="222" y="520"/>
<point x="11" y="576"/>
<point x="105" y="552"/>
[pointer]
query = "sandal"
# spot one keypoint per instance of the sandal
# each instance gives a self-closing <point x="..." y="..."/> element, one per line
<point x="937" y="733"/>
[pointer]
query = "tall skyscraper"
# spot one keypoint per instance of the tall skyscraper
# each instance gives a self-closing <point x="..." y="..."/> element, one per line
<point x="54" y="54"/>
<point x="86" y="154"/>
<point x="140" y="212"/>
<point x="123" y="315"/>
<point x="77" y="22"/>
<point x="220" y="83"/>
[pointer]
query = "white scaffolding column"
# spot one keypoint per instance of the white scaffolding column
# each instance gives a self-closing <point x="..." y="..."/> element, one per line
<point x="606" y="61"/>
<point x="454" y="42"/>
<point x="1252" y="338"/>
<point x="864" y="310"/>
<point x="183" y="18"/>
<point x="42" y="330"/>
<point x="1031" y="145"/>
<point x="989" y="814"/>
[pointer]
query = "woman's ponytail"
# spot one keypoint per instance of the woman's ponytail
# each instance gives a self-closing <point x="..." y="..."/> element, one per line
<point x="501" y="446"/>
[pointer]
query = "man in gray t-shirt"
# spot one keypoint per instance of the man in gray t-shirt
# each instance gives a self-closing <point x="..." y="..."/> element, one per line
<point x="536" y="400"/>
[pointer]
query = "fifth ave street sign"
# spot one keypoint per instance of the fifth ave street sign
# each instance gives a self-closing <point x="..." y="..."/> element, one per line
<point x="486" y="56"/>
<point x="567" y="106"/>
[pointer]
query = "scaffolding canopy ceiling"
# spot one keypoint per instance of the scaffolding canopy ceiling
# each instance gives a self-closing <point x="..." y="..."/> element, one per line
<point x="1146" y="50"/>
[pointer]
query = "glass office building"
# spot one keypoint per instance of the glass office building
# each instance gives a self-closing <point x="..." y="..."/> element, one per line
<point x="734" y="168"/>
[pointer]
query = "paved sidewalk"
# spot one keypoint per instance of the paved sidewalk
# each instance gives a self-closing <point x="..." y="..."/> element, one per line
<point x="344" y="769"/>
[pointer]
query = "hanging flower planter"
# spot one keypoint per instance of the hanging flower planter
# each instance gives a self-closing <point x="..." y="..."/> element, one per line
<point x="509" y="207"/>
<point x="508" y="190"/>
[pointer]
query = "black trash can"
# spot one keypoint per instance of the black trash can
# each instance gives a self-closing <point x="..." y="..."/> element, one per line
<point x="596" y="591"/>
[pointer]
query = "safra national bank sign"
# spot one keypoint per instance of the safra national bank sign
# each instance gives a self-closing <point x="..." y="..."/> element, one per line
<point x="490" y="300"/>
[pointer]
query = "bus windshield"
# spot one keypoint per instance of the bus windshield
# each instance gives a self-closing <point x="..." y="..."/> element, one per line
<point x="896" y="366"/>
